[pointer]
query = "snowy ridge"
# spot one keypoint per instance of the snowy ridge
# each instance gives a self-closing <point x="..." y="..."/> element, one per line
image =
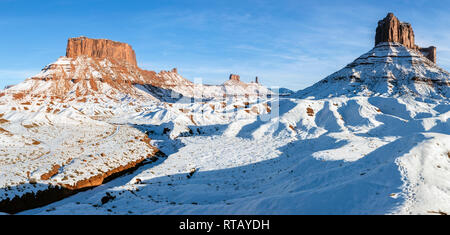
<point x="85" y="77"/>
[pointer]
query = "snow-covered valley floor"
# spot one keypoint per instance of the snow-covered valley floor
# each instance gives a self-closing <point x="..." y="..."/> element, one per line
<point x="358" y="155"/>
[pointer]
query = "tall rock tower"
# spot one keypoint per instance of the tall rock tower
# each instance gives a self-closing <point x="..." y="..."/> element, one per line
<point x="390" y="29"/>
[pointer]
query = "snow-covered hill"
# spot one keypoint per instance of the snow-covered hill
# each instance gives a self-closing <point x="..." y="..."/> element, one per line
<point x="70" y="127"/>
<point x="359" y="155"/>
<point x="388" y="69"/>
<point x="92" y="78"/>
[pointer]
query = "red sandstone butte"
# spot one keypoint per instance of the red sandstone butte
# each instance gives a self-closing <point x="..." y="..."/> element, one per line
<point x="235" y="77"/>
<point x="100" y="48"/>
<point x="390" y="29"/>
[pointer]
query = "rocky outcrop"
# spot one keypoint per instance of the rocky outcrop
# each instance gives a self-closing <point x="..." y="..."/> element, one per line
<point x="390" y="29"/>
<point x="235" y="77"/>
<point x="429" y="52"/>
<point x="100" y="48"/>
<point x="51" y="173"/>
<point x="54" y="193"/>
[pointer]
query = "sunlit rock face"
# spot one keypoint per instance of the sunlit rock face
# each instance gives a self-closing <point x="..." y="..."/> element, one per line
<point x="100" y="48"/>
<point x="391" y="29"/>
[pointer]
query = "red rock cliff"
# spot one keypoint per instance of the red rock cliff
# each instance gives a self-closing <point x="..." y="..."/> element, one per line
<point x="100" y="48"/>
<point x="390" y="29"/>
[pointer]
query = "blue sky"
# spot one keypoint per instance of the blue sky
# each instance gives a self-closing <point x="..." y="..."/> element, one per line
<point x="290" y="44"/>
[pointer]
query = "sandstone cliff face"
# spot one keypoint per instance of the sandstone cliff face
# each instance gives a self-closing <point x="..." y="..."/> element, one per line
<point x="100" y="48"/>
<point x="390" y="29"/>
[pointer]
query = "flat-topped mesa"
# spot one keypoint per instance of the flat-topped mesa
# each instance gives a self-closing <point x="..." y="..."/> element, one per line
<point x="100" y="48"/>
<point x="390" y="29"/>
<point x="235" y="77"/>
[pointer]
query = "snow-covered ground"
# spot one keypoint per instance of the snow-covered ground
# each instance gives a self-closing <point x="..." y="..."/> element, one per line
<point x="359" y="155"/>
<point x="40" y="149"/>
<point x="373" y="138"/>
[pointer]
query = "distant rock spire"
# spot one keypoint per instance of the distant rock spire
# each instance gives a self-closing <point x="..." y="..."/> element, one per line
<point x="235" y="77"/>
